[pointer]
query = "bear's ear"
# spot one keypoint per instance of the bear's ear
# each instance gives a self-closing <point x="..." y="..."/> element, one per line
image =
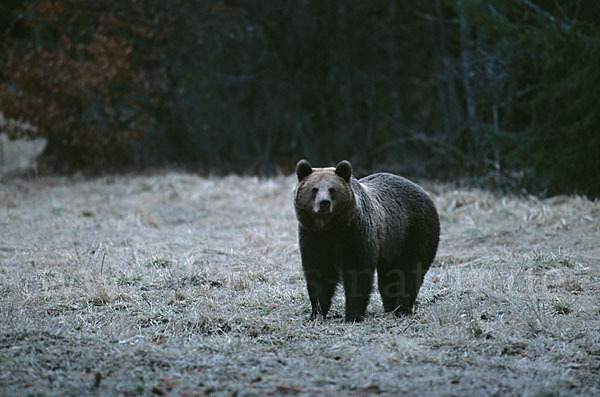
<point x="303" y="169"/>
<point x="344" y="169"/>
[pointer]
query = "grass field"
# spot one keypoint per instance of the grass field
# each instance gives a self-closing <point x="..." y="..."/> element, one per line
<point x="173" y="284"/>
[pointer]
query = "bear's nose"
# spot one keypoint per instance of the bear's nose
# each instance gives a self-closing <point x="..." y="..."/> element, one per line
<point x="324" y="205"/>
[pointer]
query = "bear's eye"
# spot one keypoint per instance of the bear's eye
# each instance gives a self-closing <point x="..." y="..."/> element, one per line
<point x="315" y="191"/>
<point x="331" y="191"/>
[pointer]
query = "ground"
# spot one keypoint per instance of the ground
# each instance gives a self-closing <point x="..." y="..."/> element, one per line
<point x="174" y="284"/>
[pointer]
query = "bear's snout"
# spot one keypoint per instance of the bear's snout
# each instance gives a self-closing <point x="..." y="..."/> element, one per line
<point x="324" y="205"/>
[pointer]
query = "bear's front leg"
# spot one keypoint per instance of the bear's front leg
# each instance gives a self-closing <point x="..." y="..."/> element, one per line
<point x="321" y="287"/>
<point x="357" y="287"/>
<point x="319" y="272"/>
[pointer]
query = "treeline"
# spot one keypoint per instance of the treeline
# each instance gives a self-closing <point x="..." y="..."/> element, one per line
<point x="507" y="89"/>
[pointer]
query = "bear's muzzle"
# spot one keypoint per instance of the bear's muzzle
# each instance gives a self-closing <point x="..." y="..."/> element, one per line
<point x="322" y="207"/>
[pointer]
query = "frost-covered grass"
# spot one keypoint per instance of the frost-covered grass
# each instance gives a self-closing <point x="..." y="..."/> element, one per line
<point x="181" y="285"/>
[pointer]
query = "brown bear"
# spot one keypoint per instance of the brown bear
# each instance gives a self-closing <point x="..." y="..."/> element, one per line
<point x="347" y="228"/>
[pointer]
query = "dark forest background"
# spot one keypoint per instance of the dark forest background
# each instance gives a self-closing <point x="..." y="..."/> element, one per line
<point x="504" y="91"/>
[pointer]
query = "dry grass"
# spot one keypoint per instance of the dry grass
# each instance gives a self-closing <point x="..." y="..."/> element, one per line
<point x="180" y="285"/>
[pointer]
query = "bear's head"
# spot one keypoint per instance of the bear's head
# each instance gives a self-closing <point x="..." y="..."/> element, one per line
<point x="322" y="195"/>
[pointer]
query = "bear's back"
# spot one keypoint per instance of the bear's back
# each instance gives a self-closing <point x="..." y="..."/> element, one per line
<point x="385" y="186"/>
<point x="410" y="220"/>
<point x="401" y="199"/>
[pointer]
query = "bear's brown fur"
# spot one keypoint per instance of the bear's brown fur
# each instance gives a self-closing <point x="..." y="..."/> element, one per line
<point x="347" y="228"/>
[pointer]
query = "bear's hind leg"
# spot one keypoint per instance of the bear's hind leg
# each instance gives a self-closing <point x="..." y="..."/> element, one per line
<point x="399" y="283"/>
<point x="392" y="287"/>
<point x="415" y="263"/>
<point x="406" y="299"/>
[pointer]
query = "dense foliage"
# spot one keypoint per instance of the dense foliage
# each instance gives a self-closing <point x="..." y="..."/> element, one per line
<point x="436" y="87"/>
